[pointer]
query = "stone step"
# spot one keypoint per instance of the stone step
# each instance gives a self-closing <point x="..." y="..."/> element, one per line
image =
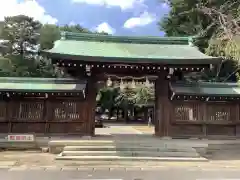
<point x="79" y="142"/>
<point x="126" y="148"/>
<point x="89" y="153"/>
<point x="120" y="158"/>
<point x="130" y="153"/>
<point x="89" y="148"/>
<point x="159" y="143"/>
<point x="125" y="163"/>
<point x="55" y="147"/>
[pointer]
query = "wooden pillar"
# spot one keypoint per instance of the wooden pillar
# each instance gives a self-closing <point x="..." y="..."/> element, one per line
<point x="91" y="93"/>
<point x="162" y="106"/>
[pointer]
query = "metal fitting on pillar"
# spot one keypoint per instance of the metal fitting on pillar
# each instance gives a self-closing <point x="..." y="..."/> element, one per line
<point x="88" y="70"/>
<point x="170" y="73"/>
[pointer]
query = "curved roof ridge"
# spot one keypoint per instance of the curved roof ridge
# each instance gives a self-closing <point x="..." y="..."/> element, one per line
<point x="36" y="80"/>
<point x="126" y="39"/>
<point x="208" y="84"/>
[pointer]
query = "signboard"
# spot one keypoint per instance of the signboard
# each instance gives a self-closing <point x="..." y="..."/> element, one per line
<point x="21" y="137"/>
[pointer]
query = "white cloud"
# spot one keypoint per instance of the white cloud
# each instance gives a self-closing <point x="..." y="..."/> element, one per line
<point x="105" y="27"/>
<point x="72" y="23"/>
<point x="123" y="4"/>
<point x="28" y="7"/>
<point x="143" y="20"/>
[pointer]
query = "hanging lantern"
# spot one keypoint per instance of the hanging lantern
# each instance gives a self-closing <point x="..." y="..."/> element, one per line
<point x="147" y="83"/>
<point x="133" y="85"/>
<point x="109" y="82"/>
<point x="122" y="87"/>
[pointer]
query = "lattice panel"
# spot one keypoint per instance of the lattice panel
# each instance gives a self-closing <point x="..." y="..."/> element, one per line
<point x="187" y="112"/>
<point x="32" y="111"/>
<point x="3" y="111"/>
<point x="67" y="111"/>
<point x="221" y="112"/>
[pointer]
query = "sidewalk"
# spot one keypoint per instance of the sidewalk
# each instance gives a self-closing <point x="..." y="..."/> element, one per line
<point x="126" y="133"/>
<point x="37" y="160"/>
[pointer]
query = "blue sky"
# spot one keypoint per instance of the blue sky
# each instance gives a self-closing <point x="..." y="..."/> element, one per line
<point x="119" y="17"/>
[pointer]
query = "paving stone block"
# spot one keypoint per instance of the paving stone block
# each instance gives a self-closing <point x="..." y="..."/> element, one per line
<point x="18" y="169"/>
<point x="69" y="168"/>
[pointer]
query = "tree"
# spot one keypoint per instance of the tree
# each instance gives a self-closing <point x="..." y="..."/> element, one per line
<point x="22" y="41"/>
<point x="49" y="33"/>
<point x="75" y="29"/>
<point x="226" y="38"/>
<point x="144" y="95"/>
<point x="114" y="98"/>
<point x="107" y="99"/>
<point x="205" y="19"/>
<point x="24" y="37"/>
<point x="22" y="33"/>
<point x="1" y="28"/>
<point x="215" y="23"/>
<point x="185" y="20"/>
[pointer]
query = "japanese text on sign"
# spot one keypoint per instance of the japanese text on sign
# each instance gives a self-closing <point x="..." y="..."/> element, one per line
<point x="28" y="137"/>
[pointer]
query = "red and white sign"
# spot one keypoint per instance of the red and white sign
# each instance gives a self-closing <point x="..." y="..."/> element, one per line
<point x="21" y="137"/>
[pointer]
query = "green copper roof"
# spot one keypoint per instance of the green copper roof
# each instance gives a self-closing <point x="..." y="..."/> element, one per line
<point x="41" y="85"/>
<point x="168" y="50"/>
<point x="206" y="89"/>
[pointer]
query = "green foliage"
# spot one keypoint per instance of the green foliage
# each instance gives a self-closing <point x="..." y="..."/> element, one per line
<point x="25" y="37"/>
<point x="20" y="57"/>
<point x="113" y="97"/>
<point x="126" y="98"/>
<point x="16" y="66"/>
<point x="107" y="98"/>
<point x="75" y="29"/>
<point x="212" y="21"/>
<point x="22" y="33"/>
<point x="198" y="18"/>
<point x="144" y="95"/>
<point x="185" y="19"/>
<point x="49" y="33"/>
<point x="228" y="49"/>
<point x="5" y="67"/>
<point x="1" y="28"/>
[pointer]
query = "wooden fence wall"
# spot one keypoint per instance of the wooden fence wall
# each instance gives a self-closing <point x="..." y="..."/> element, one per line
<point x="44" y="116"/>
<point x="73" y="116"/>
<point x="204" y="119"/>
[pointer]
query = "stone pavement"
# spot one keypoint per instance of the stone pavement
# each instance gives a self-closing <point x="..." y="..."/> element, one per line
<point x="120" y="174"/>
<point x="31" y="160"/>
<point x="23" y="160"/>
<point x="144" y="129"/>
<point x="117" y="129"/>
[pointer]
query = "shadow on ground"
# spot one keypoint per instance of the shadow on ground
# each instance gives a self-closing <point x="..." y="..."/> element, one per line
<point x="219" y="155"/>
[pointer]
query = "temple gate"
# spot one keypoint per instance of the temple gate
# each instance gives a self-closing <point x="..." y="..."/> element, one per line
<point x="67" y="106"/>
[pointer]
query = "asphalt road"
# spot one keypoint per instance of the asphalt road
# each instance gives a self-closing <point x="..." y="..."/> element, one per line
<point x="160" y="174"/>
